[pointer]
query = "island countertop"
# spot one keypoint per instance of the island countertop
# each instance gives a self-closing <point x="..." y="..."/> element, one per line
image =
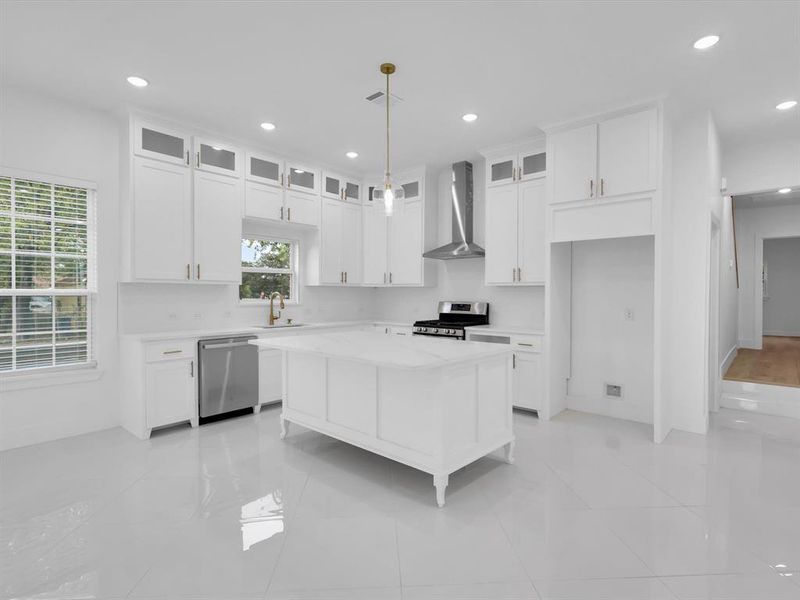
<point x="396" y="352"/>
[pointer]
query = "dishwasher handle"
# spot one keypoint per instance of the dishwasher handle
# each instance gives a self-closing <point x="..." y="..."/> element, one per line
<point x="228" y="345"/>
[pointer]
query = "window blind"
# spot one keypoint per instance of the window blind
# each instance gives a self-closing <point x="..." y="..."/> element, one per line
<point x="48" y="279"/>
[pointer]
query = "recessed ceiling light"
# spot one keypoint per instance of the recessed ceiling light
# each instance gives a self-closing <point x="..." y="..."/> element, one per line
<point x="784" y="190"/>
<point x="267" y="126"/>
<point x="470" y="117"/>
<point x="706" y="42"/>
<point x="786" y="105"/>
<point x="137" y="81"/>
<point x="351" y="154"/>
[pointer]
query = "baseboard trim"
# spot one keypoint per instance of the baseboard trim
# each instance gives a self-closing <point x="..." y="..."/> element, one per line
<point x="749" y="344"/>
<point x="783" y="333"/>
<point x="726" y="362"/>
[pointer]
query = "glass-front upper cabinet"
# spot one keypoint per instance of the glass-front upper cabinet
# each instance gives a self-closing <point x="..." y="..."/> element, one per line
<point x="501" y="170"/>
<point x="216" y="157"/>
<point x="411" y="189"/>
<point x="352" y="191"/>
<point x="532" y="165"/>
<point x="161" y="143"/>
<point x="303" y="178"/>
<point x="264" y="169"/>
<point x="332" y="186"/>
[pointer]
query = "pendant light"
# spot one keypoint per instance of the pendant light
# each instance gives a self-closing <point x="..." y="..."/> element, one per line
<point x="388" y="194"/>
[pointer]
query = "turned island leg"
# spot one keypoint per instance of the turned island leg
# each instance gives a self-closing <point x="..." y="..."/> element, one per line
<point x="440" y="483"/>
<point x="284" y="427"/>
<point x="509" y="452"/>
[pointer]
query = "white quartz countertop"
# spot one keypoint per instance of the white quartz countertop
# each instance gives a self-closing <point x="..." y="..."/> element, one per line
<point x="505" y="330"/>
<point x="396" y="352"/>
<point x="242" y="330"/>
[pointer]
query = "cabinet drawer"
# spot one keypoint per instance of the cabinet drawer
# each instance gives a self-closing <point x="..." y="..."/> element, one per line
<point x="169" y="350"/>
<point x="526" y="343"/>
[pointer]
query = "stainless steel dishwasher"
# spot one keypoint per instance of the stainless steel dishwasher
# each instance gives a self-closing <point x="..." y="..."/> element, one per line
<point x="228" y="375"/>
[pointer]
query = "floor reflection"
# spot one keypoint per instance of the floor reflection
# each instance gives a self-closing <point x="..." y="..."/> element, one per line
<point x="261" y="519"/>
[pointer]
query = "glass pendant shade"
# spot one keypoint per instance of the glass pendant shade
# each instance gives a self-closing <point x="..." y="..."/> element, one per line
<point x="388" y="195"/>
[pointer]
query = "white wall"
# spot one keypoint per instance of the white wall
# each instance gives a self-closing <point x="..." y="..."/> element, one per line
<point x="782" y="304"/>
<point x="763" y="166"/>
<point x="728" y="290"/>
<point x="753" y="225"/>
<point x="52" y="137"/>
<point x="694" y="196"/>
<point x="462" y="279"/>
<point x="608" y="277"/>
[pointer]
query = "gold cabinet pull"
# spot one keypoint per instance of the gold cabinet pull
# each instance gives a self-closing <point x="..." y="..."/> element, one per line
<point x="187" y="158"/>
<point x="197" y="159"/>
<point x="188" y="271"/>
<point x="281" y="213"/>
<point x="172" y="352"/>
<point x="602" y="186"/>
<point x="191" y="369"/>
<point x="281" y="179"/>
<point x="591" y="188"/>
<point x="513" y="361"/>
<point x="198" y="270"/>
<point x="289" y="212"/>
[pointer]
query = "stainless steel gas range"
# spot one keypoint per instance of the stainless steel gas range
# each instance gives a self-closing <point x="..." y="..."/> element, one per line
<point x="454" y="318"/>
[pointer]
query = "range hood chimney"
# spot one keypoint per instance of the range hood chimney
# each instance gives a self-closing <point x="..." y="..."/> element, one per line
<point x="462" y="245"/>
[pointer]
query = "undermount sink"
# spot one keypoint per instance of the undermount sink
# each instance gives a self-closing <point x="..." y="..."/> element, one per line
<point x="280" y="325"/>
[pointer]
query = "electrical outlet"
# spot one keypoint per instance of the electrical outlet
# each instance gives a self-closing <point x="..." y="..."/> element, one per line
<point x="197" y="316"/>
<point x="172" y="316"/>
<point x="613" y="390"/>
<point x="629" y="314"/>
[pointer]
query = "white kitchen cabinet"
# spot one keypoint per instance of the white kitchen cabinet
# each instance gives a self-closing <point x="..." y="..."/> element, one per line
<point x="161" y="236"/>
<point x="270" y="376"/>
<point x="627" y="154"/>
<point x="301" y="207"/>
<point x="405" y="243"/>
<point x="614" y="157"/>
<point x="374" y="245"/>
<point x="517" y="167"/>
<point x="528" y="380"/>
<point x="302" y="178"/>
<point x="217" y="228"/>
<point x="216" y="157"/>
<point x="528" y="362"/>
<point x="264" y="169"/>
<point x="169" y="392"/>
<point x="340" y="235"/>
<point x="263" y="201"/>
<point x="515" y="233"/>
<point x="340" y="187"/>
<point x="161" y="143"/>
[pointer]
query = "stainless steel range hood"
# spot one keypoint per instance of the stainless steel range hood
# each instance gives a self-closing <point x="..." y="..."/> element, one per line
<point x="462" y="245"/>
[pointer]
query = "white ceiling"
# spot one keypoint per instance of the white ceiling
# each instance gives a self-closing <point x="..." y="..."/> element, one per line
<point x="227" y="66"/>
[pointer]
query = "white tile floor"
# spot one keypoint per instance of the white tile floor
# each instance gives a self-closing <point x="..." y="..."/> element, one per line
<point x="591" y="510"/>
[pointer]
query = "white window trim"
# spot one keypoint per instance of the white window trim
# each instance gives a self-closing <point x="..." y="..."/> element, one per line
<point x="295" y="261"/>
<point x="61" y="374"/>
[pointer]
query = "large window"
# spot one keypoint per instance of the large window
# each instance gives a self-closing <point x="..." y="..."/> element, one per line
<point x="268" y="266"/>
<point x="46" y="274"/>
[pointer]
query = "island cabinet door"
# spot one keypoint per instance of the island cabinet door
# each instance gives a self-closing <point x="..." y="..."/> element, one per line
<point x="270" y="376"/>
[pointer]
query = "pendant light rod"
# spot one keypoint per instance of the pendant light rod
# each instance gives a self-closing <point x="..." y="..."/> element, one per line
<point x="387" y="69"/>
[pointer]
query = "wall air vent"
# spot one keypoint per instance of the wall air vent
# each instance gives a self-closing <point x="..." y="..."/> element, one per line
<point x="613" y="390"/>
<point x="379" y="99"/>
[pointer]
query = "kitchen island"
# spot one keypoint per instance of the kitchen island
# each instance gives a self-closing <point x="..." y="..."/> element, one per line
<point x="433" y="404"/>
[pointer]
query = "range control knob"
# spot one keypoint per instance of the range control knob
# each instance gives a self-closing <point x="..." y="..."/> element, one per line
<point x="435" y="331"/>
<point x="423" y="329"/>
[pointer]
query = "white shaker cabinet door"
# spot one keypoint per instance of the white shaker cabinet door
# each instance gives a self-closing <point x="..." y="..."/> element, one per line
<point x="531" y="231"/>
<point x="528" y="382"/>
<point x="627" y="154"/>
<point x="331" y="270"/>
<point x="301" y="208"/>
<point x="501" y="234"/>
<point x="169" y="390"/>
<point x="351" y="243"/>
<point x="263" y="201"/>
<point x="374" y="238"/>
<point x="162" y="220"/>
<point x="405" y="244"/>
<point x="217" y="228"/>
<point x="573" y="156"/>
<point x="270" y="376"/>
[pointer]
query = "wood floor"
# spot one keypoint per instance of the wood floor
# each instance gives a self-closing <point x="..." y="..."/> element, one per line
<point x="777" y="364"/>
